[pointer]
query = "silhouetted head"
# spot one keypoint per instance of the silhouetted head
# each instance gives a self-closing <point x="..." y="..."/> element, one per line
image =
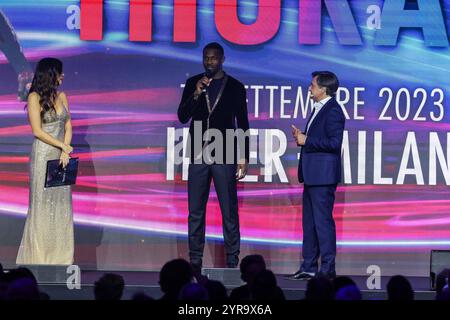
<point x="342" y="281"/>
<point x="399" y="288"/>
<point x="23" y="289"/>
<point x="442" y="279"/>
<point x="264" y="287"/>
<point x="3" y="284"/>
<point x="216" y="290"/>
<point x="174" y="275"/>
<point x="19" y="284"/>
<point x="250" y="266"/>
<point x="349" y="292"/>
<point x="319" y="288"/>
<point x="19" y="273"/>
<point x="109" y="287"/>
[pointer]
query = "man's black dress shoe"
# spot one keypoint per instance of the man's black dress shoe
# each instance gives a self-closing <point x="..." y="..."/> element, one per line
<point x="300" y="275"/>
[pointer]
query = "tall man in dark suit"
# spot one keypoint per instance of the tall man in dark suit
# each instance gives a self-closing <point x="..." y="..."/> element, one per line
<point x="320" y="170"/>
<point x="214" y="100"/>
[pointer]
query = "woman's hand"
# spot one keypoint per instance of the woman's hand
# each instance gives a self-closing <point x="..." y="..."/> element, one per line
<point x="66" y="148"/>
<point x="64" y="159"/>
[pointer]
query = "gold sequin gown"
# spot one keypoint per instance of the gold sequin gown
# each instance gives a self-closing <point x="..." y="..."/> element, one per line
<point x="48" y="234"/>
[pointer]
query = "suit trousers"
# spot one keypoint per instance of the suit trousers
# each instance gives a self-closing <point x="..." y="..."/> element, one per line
<point x="199" y="181"/>
<point x="319" y="230"/>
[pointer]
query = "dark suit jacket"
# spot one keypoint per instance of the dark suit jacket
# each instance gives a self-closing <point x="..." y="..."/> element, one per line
<point x="229" y="113"/>
<point x="320" y="157"/>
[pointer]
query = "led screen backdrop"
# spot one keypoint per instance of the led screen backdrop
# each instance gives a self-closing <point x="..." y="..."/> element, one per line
<point x="124" y="72"/>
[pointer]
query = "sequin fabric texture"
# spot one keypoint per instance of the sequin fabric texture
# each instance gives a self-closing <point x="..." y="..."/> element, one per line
<point x="48" y="234"/>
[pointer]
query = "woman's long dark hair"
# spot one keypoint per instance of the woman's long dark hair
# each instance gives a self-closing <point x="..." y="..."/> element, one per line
<point x="45" y="82"/>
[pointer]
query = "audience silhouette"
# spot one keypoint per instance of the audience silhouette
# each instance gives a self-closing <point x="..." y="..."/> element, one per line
<point x="178" y="283"/>
<point x="109" y="287"/>
<point x="399" y="289"/>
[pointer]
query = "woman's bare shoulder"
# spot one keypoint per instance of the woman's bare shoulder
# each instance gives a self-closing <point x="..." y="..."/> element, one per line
<point x="33" y="95"/>
<point x="33" y="98"/>
<point x="63" y="98"/>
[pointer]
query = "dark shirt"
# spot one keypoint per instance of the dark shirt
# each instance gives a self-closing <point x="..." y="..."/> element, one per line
<point x="213" y="90"/>
<point x="229" y="113"/>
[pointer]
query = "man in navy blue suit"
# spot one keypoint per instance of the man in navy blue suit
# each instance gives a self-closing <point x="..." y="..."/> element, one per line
<point x="319" y="169"/>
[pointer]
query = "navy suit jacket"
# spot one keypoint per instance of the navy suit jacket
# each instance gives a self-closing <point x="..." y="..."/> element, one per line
<point x="320" y="157"/>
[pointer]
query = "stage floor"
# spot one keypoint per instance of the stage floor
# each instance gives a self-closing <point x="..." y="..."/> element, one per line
<point x="52" y="282"/>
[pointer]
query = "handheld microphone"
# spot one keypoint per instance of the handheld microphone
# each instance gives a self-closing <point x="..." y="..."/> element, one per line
<point x="209" y="74"/>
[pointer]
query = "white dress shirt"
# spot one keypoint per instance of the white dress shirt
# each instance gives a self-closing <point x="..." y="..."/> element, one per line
<point x="317" y="106"/>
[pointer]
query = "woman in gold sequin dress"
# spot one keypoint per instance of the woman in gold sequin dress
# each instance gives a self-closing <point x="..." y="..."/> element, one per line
<point x="48" y="235"/>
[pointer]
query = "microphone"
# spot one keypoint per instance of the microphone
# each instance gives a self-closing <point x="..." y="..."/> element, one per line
<point x="209" y="74"/>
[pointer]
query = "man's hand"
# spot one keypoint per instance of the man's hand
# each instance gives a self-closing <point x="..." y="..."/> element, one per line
<point x="241" y="170"/>
<point x="202" y="83"/>
<point x="299" y="137"/>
